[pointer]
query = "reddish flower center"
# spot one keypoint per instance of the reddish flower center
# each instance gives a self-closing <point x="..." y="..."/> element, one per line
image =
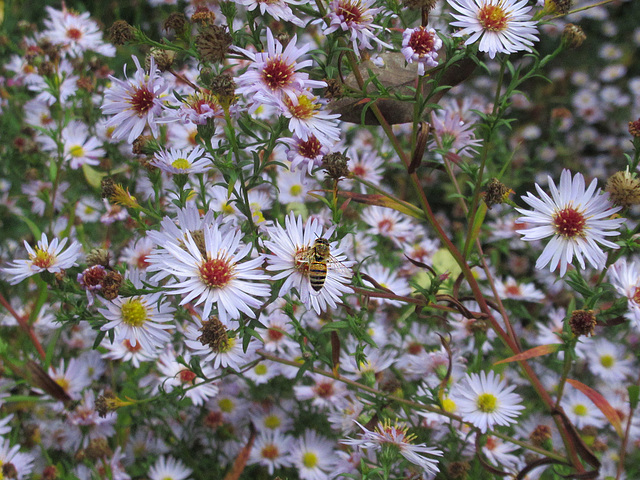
<point x="358" y="171"/>
<point x="277" y="73"/>
<point x="187" y="376"/>
<point x="309" y="148"/>
<point x="324" y="389"/>
<point x="142" y="101"/>
<point x="636" y="295"/>
<point x="513" y="290"/>
<point x="385" y="225"/>
<point x="270" y="451"/>
<point x="42" y="258"/>
<point x="350" y="12"/>
<point x="422" y="41"/>
<point x="74" y="34"/>
<point x="216" y="273"/>
<point x="305" y="109"/>
<point x="493" y="18"/>
<point x="142" y="263"/>
<point x="414" y="348"/>
<point x="213" y="419"/>
<point x="491" y="443"/>
<point x="569" y="222"/>
<point x="131" y="348"/>
<point x="274" y="334"/>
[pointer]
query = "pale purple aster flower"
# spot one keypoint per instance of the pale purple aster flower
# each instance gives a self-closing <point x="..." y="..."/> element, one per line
<point x="286" y="244"/>
<point x="576" y="219"/>
<point x="275" y="74"/>
<point x="46" y="256"/>
<point x="625" y="277"/>
<point x="278" y="9"/>
<point x="502" y="26"/>
<point x="421" y="45"/>
<point x="80" y="147"/>
<point x="212" y="273"/>
<point x="395" y="434"/>
<point x="168" y="468"/>
<point x="307" y="153"/>
<point x="313" y="456"/>
<point x="183" y="161"/>
<point x="453" y="133"/>
<point x="174" y="374"/>
<point x="485" y="400"/>
<point x="135" y="102"/>
<point x="307" y="117"/>
<point x="272" y="450"/>
<point x="355" y="17"/>
<point x="22" y="462"/>
<point x="199" y="107"/>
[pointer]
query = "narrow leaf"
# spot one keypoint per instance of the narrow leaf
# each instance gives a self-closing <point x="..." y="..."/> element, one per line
<point x="602" y="404"/>
<point x="532" y="353"/>
<point x="384" y="201"/>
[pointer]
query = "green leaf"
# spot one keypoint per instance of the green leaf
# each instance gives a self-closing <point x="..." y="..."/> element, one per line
<point x="634" y="395"/>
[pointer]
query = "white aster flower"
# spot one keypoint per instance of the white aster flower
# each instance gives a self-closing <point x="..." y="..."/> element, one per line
<point x="313" y="456"/>
<point x="485" y="400"/>
<point x="22" y="462"/>
<point x="582" y="411"/>
<point x="355" y="17"/>
<point x="398" y="436"/>
<point x="183" y="161"/>
<point x="625" y="277"/>
<point x="168" y="468"/>
<point x="502" y="26"/>
<point x="46" y="256"/>
<point x="211" y="273"/>
<point x="575" y="218"/>
<point x="271" y="449"/>
<point x="287" y="243"/>
<point x="278" y="9"/>
<point x="174" y="374"/>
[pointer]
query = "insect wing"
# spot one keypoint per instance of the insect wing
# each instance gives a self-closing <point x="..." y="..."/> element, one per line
<point x="337" y="266"/>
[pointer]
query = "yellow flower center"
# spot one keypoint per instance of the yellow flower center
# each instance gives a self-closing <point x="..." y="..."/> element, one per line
<point x="580" y="410"/>
<point x="134" y="313"/>
<point x="309" y="459"/>
<point x="493" y="18"/>
<point x="228" y="345"/>
<point x="260" y="369"/>
<point x="487" y="402"/>
<point x="272" y="421"/>
<point x="449" y="405"/>
<point x="226" y="405"/>
<point x="227" y="209"/>
<point x="42" y="258"/>
<point x="63" y="382"/>
<point x="296" y="190"/>
<point x="607" y="361"/>
<point x="77" y="151"/>
<point x="181" y="164"/>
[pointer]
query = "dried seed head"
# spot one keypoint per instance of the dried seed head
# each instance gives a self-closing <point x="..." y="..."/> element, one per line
<point x="164" y="58"/>
<point x="99" y="256"/>
<point x="624" y="189"/>
<point x="634" y="128"/>
<point x="214" y="335"/>
<point x="334" y="88"/>
<point x="176" y="21"/>
<point x="203" y="16"/>
<point x="496" y="193"/>
<point x="336" y="165"/>
<point x="213" y="42"/>
<point x="111" y="285"/>
<point x="420" y="4"/>
<point x="582" y="322"/>
<point x="558" y="6"/>
<point x="458" y="470"/>
<point x="98" y="448"/>
<point x="573" y="36"/>
<point x="121" y="32"/>
<point x="540" y="434"/>
<point x="108" y="187"/>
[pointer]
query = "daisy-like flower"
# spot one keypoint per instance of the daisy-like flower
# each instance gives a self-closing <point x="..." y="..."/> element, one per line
<point x="510" y="288"/>
<point x="575" y="218"/>
<point x="502" y="26"/>
<point x="397" y="435"/>
<point x="177" y="161"/>
<point x="278" y="9"/>
<point x="389" y="223"/>
<point x="452" y="133"/>
<point x="355" y="17"/>
<point x="307" y="117"/>
<point x="609" y="362"/>
<point x="139" y="319"/>
<point x="271" y="449"/>
<point x="199" y="107"/>
<point x="135" y="102"/>
<point x="421" y="45"/>
<point x="485" y="400"/>
<point x="287" y="244"/>
<point x="305" y="153"/>
<point x="174" y="374"/>
<point x="80" y="146"/>
<point x="126" y="352"/>
<point x="46" y="256"/>
<point x="210" y="272"/>
<point x="313" y="456"/>
<point x="582" y="411"/>
<point x="275" y="74"/>
<point x="22" y="463"/>
<point x="625" y="277"/>
<point x="168" y="468"/>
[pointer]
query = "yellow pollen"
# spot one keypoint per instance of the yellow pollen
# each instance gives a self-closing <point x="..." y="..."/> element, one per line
<point x="76" y="151"/>
<point x="296" y="190"/>
<point x="226" y="405"/>
<point x="227" y="209"/>
<point x="134" y="313"/>
<point x="487" y="402"/>
<point x="181" y="164"/>
<point x="607" y="361"/>
<point x="63" y="382"/>
<point x="260" y="369"/>
<point x="228" y="345"/>
<point x="580" y="410"/>
<point x="309" y="459"/>
<point x="493" y="18"/>
<point x="42" y="258"/>
<point x="272" y="421"/>
<point x="449" y="405"/>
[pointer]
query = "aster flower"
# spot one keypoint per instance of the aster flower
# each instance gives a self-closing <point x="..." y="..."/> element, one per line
<point x="278" y="9"/>
<point x="211" y="272"/>
<point x="22" y="462"/>
<point x="625" y="277"/>
<point x="397" y="436"/>
<point x="502" y="26"/>
<point x="575" y="218"/>
<point x="582" y="411"/>
<point x="80" y="147"/>
<point x="168" y="468"/>
<point x="76" y="32"/>
<point x="199" y="107"/>
<point x="389" y="223"/>
<point x="287" y="243"/>
<point x="135" y="102"/>
<point x="355" y="17"/>
<point x="271" y="449"/>
<point x="307" y="153"/>
<point x="452" y="133"/>
<point x="313" y="456"/>
<point x="183" y="161"/>
<point x="485" y="401"/>
<point x="124" y="351"/>
<point x="46" y="256"/>
<point x="307" y="117"/>
<point x="609" y="362"/>
<point x="421" y="45"/>
<point x="174" y="374"/>
<point x="274" y="74"/>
